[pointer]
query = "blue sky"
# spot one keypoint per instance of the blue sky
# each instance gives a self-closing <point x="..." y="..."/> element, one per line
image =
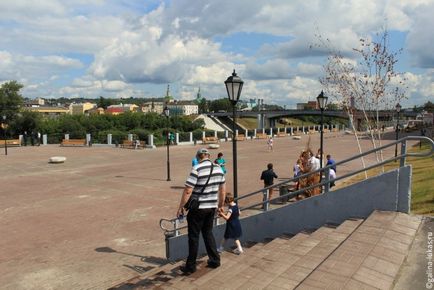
<point x="92" y="48"/>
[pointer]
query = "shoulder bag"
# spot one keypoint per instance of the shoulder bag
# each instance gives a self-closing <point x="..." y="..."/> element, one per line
<point x="193" y="201"/>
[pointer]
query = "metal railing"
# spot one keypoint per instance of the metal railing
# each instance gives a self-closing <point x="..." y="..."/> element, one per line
<point x="175" y="224"/>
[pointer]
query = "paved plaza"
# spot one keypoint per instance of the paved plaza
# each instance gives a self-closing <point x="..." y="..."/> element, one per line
<point x="93" y="221"/>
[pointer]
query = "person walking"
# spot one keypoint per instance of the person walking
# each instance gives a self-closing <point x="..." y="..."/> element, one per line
<point x="233" y="226"/>
<point x="220" y="161"/>
<point x="205" y="184"/>
<point x="270" y="143"/>
<point x="332" y="172"/>
<point x="268" y="176"/>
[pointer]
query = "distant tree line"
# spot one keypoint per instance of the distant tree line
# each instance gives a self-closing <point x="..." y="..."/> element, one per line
<point x="141" y="125"/>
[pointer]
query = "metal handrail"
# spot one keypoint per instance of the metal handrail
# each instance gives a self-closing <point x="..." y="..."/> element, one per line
<point x="326" y="181"/>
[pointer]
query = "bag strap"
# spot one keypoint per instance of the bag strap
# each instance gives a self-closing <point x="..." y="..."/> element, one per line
<point x="209" y="176"/>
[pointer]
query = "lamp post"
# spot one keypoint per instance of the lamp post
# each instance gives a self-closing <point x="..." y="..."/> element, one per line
<point x="167" y="114"/>
<point x="398" y="109"/>
<point x="322" y="103"/>
<point x="234" y="85"/>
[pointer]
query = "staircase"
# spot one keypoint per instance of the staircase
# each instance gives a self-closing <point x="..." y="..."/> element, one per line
<point x="358" y="254"/>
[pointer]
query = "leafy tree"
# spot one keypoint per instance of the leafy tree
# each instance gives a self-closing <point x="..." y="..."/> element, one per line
<point x="104" y="103"/>
<point x="10" y="100"/>
<point x="220" y="105"/>
<point x="332" y="107"/>
<point x="26" y="121"/>
<point x="429" y="107"/>
<point x="203" y="106"/>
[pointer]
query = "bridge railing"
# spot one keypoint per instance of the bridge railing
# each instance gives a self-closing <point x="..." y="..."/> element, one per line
<point x="172" y="227"/>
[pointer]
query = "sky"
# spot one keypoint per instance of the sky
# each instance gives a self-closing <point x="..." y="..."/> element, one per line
<point x="123" y="48"/>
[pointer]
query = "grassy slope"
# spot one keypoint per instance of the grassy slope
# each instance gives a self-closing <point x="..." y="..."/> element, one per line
<point x="251" y="123"/>
<point x="422" y="199"/>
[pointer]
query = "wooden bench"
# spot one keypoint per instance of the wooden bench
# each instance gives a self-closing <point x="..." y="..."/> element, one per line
<point x="208" y="140"/>
<point x="129" y="144"/>
<point x="10" y="143"/>
<point x="311" y="132"/>
<point x="281" y="134"/>
<point x="73" y="142"/>
<point x="240" y="137"/>
<point x="261" y="136"/>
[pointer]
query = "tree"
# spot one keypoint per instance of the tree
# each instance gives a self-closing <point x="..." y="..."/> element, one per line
<point x="10" y="100"/>
<point x="429" y="107"/>
<point x="370" y="84"/>
<point x="104" y="103"/>
<point x="220" y="105"/>
<point x="203" y="106"/>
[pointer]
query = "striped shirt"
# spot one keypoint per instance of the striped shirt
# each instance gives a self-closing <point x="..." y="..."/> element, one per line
<point x="197" y="179"/>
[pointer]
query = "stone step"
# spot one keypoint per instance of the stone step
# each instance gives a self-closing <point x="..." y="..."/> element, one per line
<point x="291" y="268"/>
<point x="370" y="258"/>
<point x="202" y="276"/>
<point x="230" y="272"/>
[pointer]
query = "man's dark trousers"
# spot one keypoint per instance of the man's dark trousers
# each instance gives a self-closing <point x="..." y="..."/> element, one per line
<point x="201" y="220"/>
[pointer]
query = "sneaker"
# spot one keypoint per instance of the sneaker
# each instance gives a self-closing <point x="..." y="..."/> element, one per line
<point x="238" y="251"/>
<point x="187" y="270"/>
<point x="220" y="249"/>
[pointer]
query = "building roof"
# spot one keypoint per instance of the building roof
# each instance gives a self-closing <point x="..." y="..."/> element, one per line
<point x="114" y="110"/>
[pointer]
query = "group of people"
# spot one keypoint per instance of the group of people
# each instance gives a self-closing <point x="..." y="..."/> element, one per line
<point x="206" y="183"/>
<point x="308" y="162"/>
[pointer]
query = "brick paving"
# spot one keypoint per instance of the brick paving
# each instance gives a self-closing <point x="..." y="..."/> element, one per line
<point x="92" y="222"/>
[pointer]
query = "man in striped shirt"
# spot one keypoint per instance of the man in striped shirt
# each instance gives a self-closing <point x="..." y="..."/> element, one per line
<point x="202" y="219"/>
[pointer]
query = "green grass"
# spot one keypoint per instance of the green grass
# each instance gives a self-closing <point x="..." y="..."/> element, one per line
<point x="252" y="123"/>
<point x="422" y="188"/>
<point x="422" y="198"/>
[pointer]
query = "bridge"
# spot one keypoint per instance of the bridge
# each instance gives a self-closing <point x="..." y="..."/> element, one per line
<point x="268" y="118"/>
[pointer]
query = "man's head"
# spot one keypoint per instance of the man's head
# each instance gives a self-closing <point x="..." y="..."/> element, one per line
<point x="328" y="156"/>
<point x="270" y="165"/>
<point x="202" y="153"/>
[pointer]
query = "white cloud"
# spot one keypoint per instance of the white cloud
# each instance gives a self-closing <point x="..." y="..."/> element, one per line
<point x="130" y="45"/>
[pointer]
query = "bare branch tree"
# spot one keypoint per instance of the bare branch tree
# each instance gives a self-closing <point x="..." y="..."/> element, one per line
<point x="368" y="82"/>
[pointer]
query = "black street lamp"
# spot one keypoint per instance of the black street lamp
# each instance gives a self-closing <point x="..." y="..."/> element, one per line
<point x="4" y="134"/>
<point x="234" y="85"/>
<point x="322" y="103"/>
<point x="398" y="109"/>
<point x="167" y="114"/>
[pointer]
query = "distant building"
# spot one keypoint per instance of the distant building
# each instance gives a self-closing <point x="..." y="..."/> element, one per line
<point x="34" y="103"/>
<point x="81" y="108"/>
<point x="301" y="106"/>
<point x="183" y="108"/>
<point x="50" y="112"/>
<point x="152" y="107"/>
<point x="122" y="108"/>
<point x="312" y="105"/>
<point x="114" y="111"/>
<point x="96" y="111"/>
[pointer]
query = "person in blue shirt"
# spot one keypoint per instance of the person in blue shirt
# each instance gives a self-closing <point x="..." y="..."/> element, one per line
<point x="194" y="161"/>
<point x="220" y="161"/>
<point x="332" y="174"/>
<point x="330" y="161"/>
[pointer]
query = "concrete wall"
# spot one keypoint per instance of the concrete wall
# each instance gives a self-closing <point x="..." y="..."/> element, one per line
<point x="390" y="191"/>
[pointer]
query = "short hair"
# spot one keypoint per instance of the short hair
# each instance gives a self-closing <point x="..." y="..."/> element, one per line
<point x="328" y="156"/>
<point x="270" y="165"/>
<point x="229" y="197"/>
<point x="220" y="154"/>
